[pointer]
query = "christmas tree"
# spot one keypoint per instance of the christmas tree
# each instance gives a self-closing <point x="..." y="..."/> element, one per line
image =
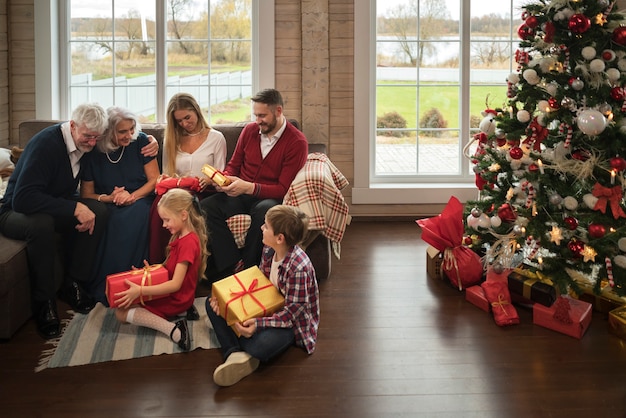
<point x="550" y="164"/>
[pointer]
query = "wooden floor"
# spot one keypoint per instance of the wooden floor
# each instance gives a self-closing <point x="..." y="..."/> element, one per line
<point x="392" y="343"/>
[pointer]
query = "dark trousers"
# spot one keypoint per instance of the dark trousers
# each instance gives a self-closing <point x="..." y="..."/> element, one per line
<point x="217" y="209"/>
<point x="264" y="345"/>
<point x="40" y="231"/>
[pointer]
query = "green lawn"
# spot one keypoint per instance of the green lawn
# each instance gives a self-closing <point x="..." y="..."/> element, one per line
<point x="403" y="99"/>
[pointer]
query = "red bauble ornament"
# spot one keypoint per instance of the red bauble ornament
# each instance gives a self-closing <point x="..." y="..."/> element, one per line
<point x="525" y="32"/>
<point x="516" y="153"/>
<point x="617" y="93"/>
<point x="596" y="230"/>
<point x="579" y="23"/>
<point x="576" y="247"/>
<point x="532" y="22"/>
<point x="580" y="155"/>
<point x="553" y="103"/>
<point x="501" y="142"/>
<point x="618" y="163"/>
<point x="571" y="223"/>
<point x="619" y="35"/>
<point x="467" y="240"/>
<point x="506" y="213"/>
<point x="548" y="29"/>
<point x="533" y="168"/>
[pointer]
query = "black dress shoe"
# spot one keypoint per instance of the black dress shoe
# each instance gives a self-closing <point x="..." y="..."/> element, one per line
<point x="185" y="339"/>
<point x="47" y="318"/>
<point x="77" y="298"/>
<point x="192" y="314"/>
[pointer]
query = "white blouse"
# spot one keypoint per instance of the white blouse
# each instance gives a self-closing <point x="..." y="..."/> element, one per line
<point x="212" y="151"/>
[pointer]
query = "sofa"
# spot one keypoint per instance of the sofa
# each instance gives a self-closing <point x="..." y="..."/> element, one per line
<point x="15" y="307"/>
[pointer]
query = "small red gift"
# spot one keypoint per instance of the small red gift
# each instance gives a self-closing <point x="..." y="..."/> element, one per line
<point x="499" y="298"/>
<point x="476" y="296"/>
<point x="567" y="316"/>
<point x="445" y="232"/>
<point x="188" y="183"/>
<point x="147" y="276"/>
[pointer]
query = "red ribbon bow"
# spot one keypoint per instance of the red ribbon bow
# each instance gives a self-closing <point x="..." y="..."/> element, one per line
<point x="249" y="291"/>
<point x="607" y="195"/>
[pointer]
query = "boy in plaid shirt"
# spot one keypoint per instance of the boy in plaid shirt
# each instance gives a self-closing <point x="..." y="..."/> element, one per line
<point x="290" y="270"/>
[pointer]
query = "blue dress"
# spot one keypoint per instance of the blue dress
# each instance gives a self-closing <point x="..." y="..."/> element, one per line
<point x="125" y="242"/>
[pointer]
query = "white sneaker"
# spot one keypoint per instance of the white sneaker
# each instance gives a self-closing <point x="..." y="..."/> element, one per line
<point x="237" y="366"/>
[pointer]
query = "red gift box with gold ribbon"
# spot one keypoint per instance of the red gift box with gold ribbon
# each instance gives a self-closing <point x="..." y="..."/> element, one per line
<point x="147" y="276"/>
<point x="247" y="294"/>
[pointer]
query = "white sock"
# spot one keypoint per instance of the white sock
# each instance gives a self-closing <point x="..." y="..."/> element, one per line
<point x="145" y="318"/>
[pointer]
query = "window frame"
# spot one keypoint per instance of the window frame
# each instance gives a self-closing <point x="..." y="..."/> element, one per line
<point x="424" y="189"/>
<point x="52" y="57"/>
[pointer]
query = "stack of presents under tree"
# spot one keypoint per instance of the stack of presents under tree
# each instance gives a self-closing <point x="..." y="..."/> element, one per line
<point x="548" y="228"/>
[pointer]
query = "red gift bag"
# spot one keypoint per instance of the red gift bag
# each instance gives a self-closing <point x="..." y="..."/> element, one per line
<point x="445" y="232"/>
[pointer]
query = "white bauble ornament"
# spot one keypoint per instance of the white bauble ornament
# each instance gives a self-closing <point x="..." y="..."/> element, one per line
<point x="590" y="200"/>
<point x="591" y="122"/>
<point x="513" y="78"/>
<point x="613" y="74"/>
<point x="543" y="106"/>
<point x="531" y="77"/>
<point x="555" y="199"/>
<point x="524" y="116"/>
<point x="552" y="89"/>
<point x="621" y="243"/>
<point x="484" y="221"/>
<point x="588" y="53"/>
<point x="621" y="64"/>
<point x="472" y="221"/>
<point x="620" y="261"/>
<point x="495" y="221"/>
<point x="570" y="203"/>
<point x="578" y="84"/>
<point x="597" y="65"/>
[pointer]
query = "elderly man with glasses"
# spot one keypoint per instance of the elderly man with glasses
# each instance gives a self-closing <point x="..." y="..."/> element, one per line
<point x="41" y="202"/>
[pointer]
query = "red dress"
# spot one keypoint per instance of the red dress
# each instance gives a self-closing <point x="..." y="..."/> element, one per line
<point x="182" y="249"/>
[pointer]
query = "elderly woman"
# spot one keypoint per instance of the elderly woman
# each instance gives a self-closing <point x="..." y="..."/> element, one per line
<point x="120" y="176"/>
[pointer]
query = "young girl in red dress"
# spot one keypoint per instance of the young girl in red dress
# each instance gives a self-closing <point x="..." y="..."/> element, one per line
<point x="185" y="262"/>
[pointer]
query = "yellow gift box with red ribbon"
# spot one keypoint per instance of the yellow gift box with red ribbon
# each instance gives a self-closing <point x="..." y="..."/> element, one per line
<point x="147" y="276"/>
<point x="247" y="294"/>
<point x="216" y="175"/>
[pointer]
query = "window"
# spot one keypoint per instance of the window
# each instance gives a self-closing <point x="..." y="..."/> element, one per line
<point x="424" y="72"/>
<point x="138" y="53"/>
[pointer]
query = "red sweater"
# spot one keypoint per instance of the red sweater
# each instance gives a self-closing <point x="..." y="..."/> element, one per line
<point x="273" y="174"/>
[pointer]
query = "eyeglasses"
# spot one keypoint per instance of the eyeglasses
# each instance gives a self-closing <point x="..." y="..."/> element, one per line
<point x="90" y="137"/>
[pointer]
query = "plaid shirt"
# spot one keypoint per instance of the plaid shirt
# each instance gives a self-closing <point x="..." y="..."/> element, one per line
<point x="297" y="282"/>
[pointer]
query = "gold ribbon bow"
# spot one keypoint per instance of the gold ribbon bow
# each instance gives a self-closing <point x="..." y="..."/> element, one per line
<point x="146" y="278"/>
<point x="608" y="195"/>
<point x="449" y="262"/>
<point x="501" y="303"/>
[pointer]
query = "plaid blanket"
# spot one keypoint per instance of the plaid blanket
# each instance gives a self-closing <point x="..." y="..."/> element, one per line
<point x="316" y="190"/>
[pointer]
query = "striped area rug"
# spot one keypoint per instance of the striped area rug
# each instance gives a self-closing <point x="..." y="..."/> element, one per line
<point x="99" y="337"/>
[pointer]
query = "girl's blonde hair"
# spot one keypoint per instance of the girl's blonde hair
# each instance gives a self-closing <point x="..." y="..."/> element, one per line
<point x="178" y="200"/>
<point x="289" y="221"/>
<point x="173" y="131"/>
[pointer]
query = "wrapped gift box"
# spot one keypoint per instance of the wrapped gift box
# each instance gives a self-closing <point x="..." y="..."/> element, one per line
<point x="600" y="303"/>
<point x="529" y="286"/>
<point x="476" y="296"/>
<point x="147" y="276"/>
<point x="617" y="322"/>
<point x="247" y="294"/>
<point x="579" y="312"/>
<point x="434" y="259"/>
<point x="216" y="175"/>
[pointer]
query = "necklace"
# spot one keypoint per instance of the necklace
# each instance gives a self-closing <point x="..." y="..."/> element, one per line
<point x="196" y="134"/>
<point x="118" y="160"/>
